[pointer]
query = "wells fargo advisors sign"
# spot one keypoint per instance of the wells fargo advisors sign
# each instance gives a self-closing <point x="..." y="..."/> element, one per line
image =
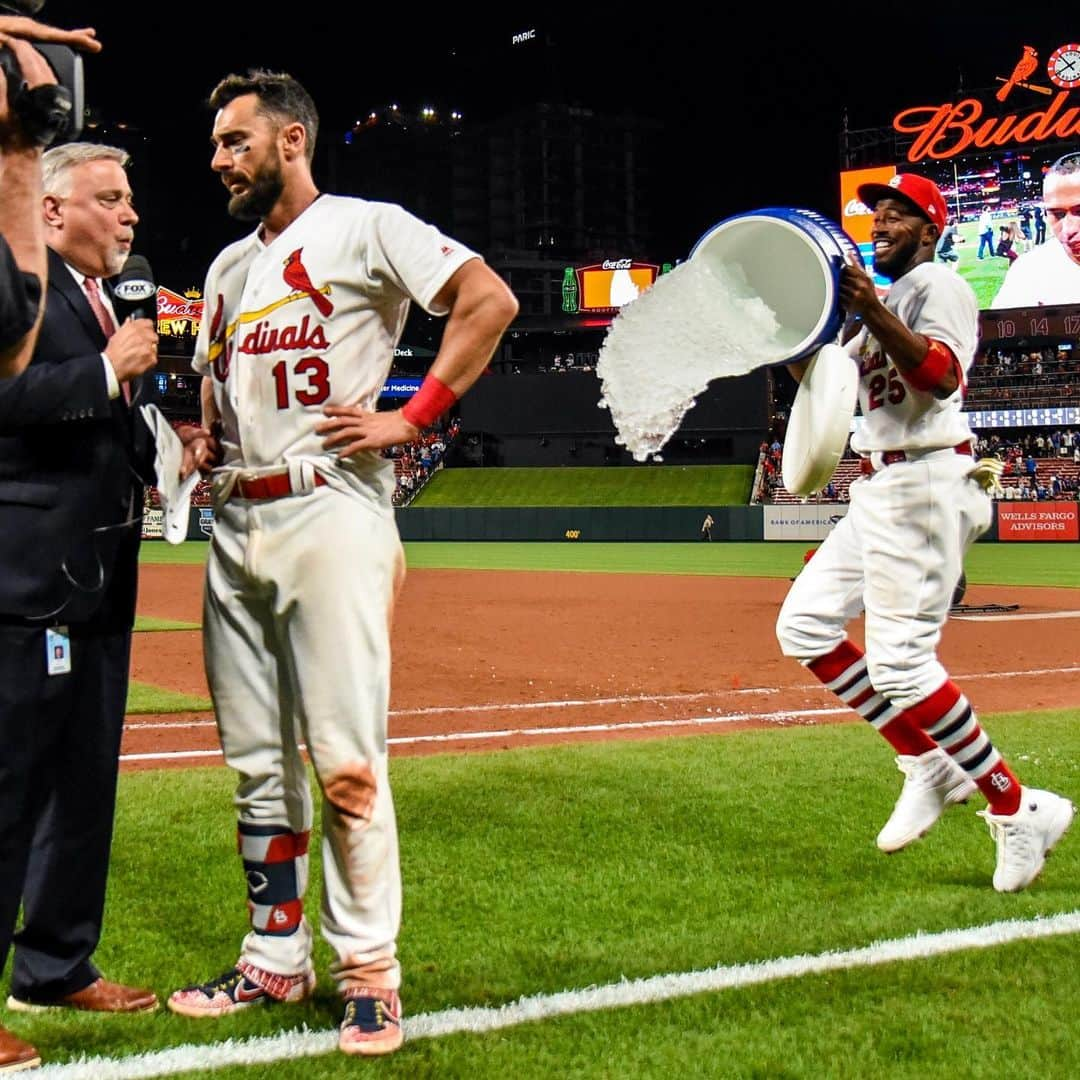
<point x="1038" y="521"/>
<point x="1034" y="104"/>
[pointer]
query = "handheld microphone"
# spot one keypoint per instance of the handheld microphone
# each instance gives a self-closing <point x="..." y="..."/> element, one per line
<point x="134" y="293"/>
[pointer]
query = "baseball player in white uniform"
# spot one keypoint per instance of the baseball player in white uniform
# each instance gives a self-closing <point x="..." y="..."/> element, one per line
<point x="898" y="553"/>
<point x="302" y="319"/>
<point x="1050" y="273"/>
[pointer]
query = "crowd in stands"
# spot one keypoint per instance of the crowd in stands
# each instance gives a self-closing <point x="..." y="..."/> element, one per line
<point x="415" y="462"/>
<point x="555" y="364"/>
<point x="414" y="465"/>
<point x="1003" y="378"/>
<point x="1011" y="447"/>
<point x="770" y="455"/>
<point x="1039" y="465"/>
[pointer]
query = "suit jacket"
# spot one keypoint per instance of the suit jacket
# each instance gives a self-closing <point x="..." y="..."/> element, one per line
<point x="72" y="466"/>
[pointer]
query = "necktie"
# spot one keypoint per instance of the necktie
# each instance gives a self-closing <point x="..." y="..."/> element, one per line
<point x="108" y="327"/>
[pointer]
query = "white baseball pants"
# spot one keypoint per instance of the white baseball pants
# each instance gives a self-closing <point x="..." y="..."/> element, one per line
<point x="299" y="596"/>
<point x="898" y="555"/>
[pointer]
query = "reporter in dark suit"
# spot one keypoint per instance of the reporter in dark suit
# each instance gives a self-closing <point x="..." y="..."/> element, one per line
<point x="74" y="455"/>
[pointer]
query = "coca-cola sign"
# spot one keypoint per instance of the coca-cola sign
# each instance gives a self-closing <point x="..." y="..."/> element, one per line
<point x="607" y="286"/>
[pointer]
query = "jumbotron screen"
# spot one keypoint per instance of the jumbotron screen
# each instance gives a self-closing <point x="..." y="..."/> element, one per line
<point x="995" y="203"/>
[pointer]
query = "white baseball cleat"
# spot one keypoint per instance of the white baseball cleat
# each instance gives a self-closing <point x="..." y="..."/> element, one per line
<point x="932" y="783"/>
<point x="1025" y="838"/>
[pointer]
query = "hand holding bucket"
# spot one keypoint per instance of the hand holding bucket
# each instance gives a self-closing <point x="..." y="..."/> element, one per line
<point x="758" y="289"/>
<point x="792" y="259"/>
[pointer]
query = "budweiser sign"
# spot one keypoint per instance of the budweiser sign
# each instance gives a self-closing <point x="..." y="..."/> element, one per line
<point x="943" y="131"/>
<point x="173" y="308"/>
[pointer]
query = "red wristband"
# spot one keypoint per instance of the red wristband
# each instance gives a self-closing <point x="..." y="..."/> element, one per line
<point x="429" y="402"/>
<point x="937" y="362"/>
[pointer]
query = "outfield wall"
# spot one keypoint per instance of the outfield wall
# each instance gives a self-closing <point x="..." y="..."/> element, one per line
<point x="1058" y="522"/>
<point x="539" y="523"/>
<point x="584" y="523"/>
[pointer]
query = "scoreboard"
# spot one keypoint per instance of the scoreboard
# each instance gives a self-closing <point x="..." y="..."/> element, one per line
<point x="1017" y="324"/>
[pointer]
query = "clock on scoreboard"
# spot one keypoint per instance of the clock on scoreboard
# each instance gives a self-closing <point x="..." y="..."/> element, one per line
<point x="1010" y="324"/>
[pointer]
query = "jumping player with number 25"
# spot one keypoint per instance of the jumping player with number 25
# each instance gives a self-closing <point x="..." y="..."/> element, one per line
<point x="898" y="554"/>
<point x="303" y="315"/>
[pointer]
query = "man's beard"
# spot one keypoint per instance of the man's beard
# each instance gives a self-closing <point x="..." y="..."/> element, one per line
<point x="255" y="203"/>
<point x="114" y="262"/>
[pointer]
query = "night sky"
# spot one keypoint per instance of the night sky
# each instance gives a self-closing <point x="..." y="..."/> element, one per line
<point x="752" y="109"/>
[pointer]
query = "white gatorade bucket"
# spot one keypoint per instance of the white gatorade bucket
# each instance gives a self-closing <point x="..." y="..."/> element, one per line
<point x="791" y="259"/>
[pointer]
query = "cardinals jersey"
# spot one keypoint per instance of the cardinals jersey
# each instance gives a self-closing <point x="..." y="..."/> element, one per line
<point x="311" y="319"/>
<point x="934" y="301"/>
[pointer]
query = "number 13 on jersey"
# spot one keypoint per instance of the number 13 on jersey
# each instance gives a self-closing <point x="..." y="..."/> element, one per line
<point x="308" y="381"/>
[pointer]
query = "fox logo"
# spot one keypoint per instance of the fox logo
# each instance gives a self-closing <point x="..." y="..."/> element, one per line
<point x="297" y="278"/>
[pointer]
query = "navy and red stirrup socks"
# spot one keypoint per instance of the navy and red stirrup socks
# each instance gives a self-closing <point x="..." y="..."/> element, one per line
<point x="275" y="865"/>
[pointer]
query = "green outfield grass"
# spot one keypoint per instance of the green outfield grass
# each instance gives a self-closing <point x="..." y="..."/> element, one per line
<point x="983" y="275"/>
<point x="987" y="564"/>
<point x="541" y="870"/>
<point x="656" y="485"/>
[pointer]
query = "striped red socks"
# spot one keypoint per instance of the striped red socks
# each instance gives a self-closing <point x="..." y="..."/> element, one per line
<point x="944" y="719"/>
<point x="948" y="718"/>
<point x="843" y="671"/>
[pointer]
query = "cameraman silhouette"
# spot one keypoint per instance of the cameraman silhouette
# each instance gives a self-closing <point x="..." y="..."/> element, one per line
<point x="24" y="71"/>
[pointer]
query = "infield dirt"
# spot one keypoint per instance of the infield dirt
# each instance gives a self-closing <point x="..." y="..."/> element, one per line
<point x="511" y="652"/>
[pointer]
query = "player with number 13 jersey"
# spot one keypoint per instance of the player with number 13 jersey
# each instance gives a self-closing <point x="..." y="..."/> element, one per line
<point x="312" y="319"/>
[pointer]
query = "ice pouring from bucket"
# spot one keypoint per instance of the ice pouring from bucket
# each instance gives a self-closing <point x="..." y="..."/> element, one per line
<point x="792" y="260"/>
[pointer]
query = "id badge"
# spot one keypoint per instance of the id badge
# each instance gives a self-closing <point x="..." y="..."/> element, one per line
<point x="57" y="650"/>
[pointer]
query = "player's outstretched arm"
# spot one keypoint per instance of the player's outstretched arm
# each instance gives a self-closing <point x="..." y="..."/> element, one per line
<point x="480" y="307"/>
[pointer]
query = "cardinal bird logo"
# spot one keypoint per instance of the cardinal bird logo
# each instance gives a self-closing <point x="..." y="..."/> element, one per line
<point x="296" y="277"/>
<point x="1025" y="67"/>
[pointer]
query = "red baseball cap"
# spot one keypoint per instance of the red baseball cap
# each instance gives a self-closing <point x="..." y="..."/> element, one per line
<point x="924" y="195"/>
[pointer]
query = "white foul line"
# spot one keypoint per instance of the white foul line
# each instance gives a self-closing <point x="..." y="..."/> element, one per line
<point x="1016" y="618"/>
<point x="518" y="706"/>
<point x="568" y="729"/>
<point x="582" y="703"/>
<point x="574" y="704"/>
<point x="539" y="1007"/>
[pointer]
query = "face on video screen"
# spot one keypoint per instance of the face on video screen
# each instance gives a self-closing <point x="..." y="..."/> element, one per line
<point x="1013" y="231"/>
